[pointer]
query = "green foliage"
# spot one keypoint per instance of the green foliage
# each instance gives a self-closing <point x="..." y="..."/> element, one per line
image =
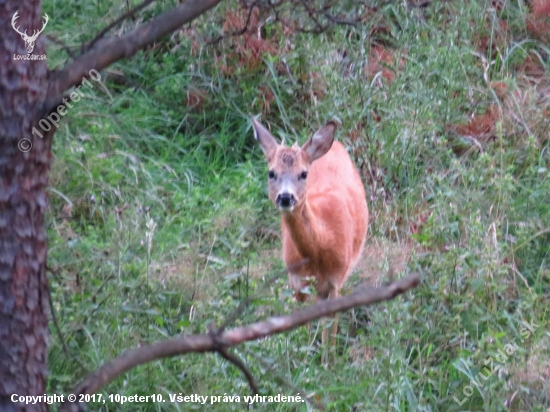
<point x="160" y="222"/>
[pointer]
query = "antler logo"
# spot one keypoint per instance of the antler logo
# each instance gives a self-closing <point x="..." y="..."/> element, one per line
<point x="29" y="40"/>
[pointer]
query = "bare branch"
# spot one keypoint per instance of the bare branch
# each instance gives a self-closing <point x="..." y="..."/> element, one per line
<point x="240" y="364"/>
<point x="211" y="343"/>
<point x="60" y="43"/>
<point x="60" y="334"/>
<point x="109" y="50"/>
<point x="240" y="32"/>
<point x="316" y="20"/>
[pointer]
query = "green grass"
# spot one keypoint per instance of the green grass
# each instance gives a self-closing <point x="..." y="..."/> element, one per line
<point x="160" y="223"/>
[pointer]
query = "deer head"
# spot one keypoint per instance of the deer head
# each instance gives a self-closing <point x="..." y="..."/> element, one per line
<point x="289" y="166"/>
<point x="29" y="40"/>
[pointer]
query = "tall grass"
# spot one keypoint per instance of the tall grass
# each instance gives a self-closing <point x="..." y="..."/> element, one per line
<point x="160" y="224"/>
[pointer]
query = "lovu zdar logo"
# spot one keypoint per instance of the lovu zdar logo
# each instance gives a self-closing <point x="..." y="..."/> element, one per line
<point x="29" y="40"/>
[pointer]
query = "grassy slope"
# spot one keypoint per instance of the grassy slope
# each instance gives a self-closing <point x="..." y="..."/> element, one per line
<point x="159" y="221"/>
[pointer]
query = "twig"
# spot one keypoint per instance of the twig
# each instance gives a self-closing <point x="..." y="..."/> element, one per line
<point x="297" y="6"/>
<point x="206" y="343"/>
<point x="539" y="233"/>
<point x="240" y="364"/>
<point x="60" y="43"/>
<point x="99" y="305"/>
<point x="244" y="303"/>
<point x="284" y="381"/>
<point x="237" y="32"/>
<point x="60" y="334"/>
<point x="222" y="350"/>
<point x="126" y="15"/>
<point x="312" y="15"/>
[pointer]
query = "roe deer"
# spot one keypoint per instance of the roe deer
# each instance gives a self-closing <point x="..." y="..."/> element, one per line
<point x="324" y="213"/>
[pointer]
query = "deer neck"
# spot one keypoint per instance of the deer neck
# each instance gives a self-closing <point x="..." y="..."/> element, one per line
<point x="300" y="224"/>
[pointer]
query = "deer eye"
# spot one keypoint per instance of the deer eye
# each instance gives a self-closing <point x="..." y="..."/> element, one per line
<point x="271" y="174"/>
<point x="303" y="175"/>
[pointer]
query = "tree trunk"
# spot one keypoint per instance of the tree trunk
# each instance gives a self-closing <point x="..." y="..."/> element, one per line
<point x="23" y="180"/>
<point x="28" y="94"/>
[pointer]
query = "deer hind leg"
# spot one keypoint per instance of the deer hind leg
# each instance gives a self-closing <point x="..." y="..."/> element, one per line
<point x="334" y="294"/>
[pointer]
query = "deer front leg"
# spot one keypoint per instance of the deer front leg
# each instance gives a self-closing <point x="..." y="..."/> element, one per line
<point x="297" y="283"/>
<point x="329" y="291"/>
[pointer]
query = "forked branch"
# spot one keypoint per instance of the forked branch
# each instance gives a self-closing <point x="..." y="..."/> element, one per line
<point x="109" y="50"/>
<point x="211" y="342"/>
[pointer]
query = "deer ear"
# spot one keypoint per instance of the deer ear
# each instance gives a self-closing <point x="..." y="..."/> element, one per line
<point x="320" y="143"/>
<point x="267" y="142"/>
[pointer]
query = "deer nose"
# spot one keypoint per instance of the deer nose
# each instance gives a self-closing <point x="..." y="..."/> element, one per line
<point x="285" y="200"/>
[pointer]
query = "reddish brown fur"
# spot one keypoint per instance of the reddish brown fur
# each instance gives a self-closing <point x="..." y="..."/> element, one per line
<point x="328" y="223"/>
<point x="330" y="226"/>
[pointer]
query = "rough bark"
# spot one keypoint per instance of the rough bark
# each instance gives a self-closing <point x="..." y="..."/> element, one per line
<point x="23" y="180"/>
<point x="28" y="91"/>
